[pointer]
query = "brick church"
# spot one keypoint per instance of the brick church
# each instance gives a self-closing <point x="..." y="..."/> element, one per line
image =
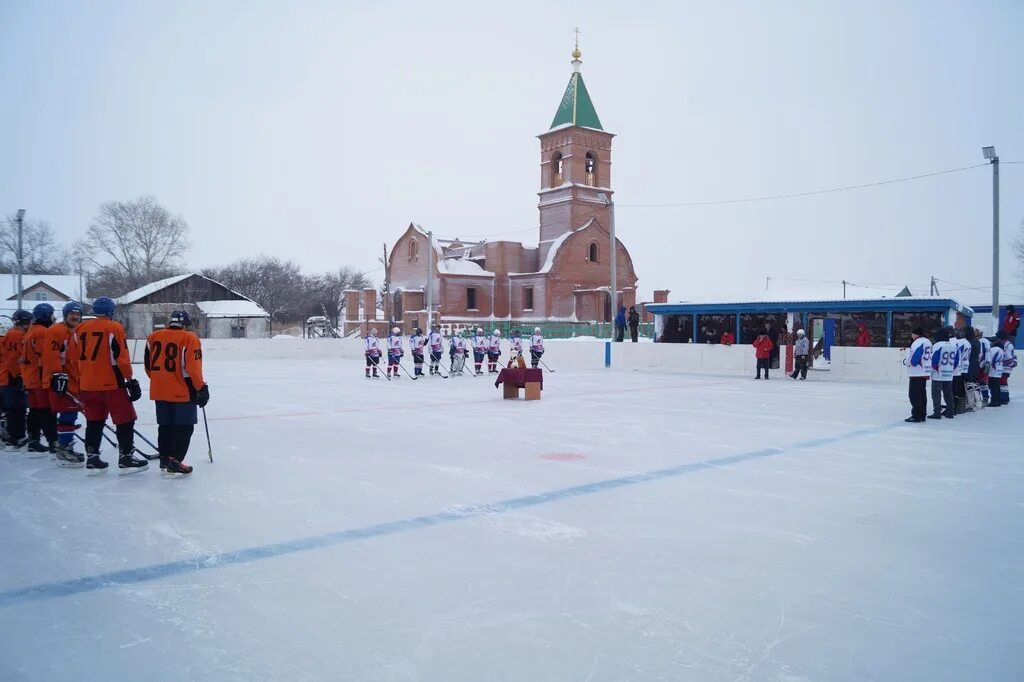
<point x="565" y="276"/>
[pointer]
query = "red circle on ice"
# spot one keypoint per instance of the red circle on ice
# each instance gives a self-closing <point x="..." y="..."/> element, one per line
<point x="563" y="456"/>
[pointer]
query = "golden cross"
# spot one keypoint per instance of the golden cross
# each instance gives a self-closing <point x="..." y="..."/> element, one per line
<point x="576" y="30"/>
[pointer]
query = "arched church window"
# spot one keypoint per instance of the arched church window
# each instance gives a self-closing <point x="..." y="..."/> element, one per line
<point x="592" y="252"/>
<point x="414" y="249"/>
<point x="590" y="167"/>
<point x="557" y="178"/>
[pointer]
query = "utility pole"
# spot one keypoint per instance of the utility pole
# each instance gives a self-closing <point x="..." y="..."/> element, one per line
<point x="21" y="254"/>
<point x="934" y="289"/>
<point x="430" y="280"/>
<point x="990" y="154"/>
<point x="387" y="288"/>
<point x="844" y="289"/>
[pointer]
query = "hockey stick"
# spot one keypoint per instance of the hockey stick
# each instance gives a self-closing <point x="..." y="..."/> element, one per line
<point x="209" y="448"/>
<point x="545" y="365"/>
<point x="414" y="378"/>
<point x="376" y="366"/>
<point x="110" y="428"/>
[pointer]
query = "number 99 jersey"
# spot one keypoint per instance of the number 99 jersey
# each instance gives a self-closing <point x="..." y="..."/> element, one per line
<point x="173" y="360"/>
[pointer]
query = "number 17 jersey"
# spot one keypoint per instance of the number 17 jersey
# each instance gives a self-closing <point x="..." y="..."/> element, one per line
<point x="172" y="356"/>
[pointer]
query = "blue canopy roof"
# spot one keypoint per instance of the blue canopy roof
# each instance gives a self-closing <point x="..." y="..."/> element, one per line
<point x="881" y="305"/>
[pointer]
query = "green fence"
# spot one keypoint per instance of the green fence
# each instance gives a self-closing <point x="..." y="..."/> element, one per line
<point x="554" y="330"/>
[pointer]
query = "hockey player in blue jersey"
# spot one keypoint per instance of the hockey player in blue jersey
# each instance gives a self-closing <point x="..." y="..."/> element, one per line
<point x="395" y="351"/>
<point x="435" y="343"/>
<point x="417" y="343"/>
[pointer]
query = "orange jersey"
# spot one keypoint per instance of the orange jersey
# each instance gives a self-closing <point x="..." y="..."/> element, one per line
<point x="173" y="355"/>
<point x="100" y="355"/>
<point x="32" y="357"/>
<point x="57" y="345"/>
<point x="14" y="344"/>
<point x="3" y="365"/>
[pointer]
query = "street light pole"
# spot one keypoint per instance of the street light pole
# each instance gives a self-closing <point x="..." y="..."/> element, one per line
<point x="21" y="255"/>
<point x="614" y="293"/>
<point x="430" y="281"/>
<point x="990" y="154"/>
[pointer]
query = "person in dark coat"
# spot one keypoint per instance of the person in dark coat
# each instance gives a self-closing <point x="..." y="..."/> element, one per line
<point x="620" y="324"/>
<point x="773" y="335"/>
<point x="634" y="323"/>
<point x="974" y="361"/>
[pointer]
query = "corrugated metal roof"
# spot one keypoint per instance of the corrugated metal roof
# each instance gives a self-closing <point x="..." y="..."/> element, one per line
<point x="812" y="305"/>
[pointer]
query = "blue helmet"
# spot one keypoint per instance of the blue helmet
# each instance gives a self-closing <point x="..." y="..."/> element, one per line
<point x="104" y="305"/>
<point x="71" y="307"/>
<point x="43" y="312"/>
<point x="180" y="318"/>
<point x="21" y="317"/>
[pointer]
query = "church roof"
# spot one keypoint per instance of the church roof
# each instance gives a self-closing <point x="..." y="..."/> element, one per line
<point x="576" y="107"/>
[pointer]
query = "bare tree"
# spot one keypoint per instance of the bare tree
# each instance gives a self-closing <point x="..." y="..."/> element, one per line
<point x="41" y="253"/>
<point x="131" y="243"/>
<point x="1018" y="246"/>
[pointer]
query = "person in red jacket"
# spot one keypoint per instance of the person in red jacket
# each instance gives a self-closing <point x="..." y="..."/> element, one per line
<point x="863" y="336"/>
<point x="728" y="338"/>
<point x="763" y="352"/>
<point x="1011" y="322"/>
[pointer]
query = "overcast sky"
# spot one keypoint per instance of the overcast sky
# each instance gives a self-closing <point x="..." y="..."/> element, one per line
<point x="318" y="130"/>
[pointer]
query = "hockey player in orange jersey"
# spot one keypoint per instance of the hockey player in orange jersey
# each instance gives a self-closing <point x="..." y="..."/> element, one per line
<point x="61" y="378"/>
<point x="41" y="420"/>
<point x="104" y="368"/>
<point x="5" y="327"/>
<point x="15" y="401"/>
<point x="174" y="364"/>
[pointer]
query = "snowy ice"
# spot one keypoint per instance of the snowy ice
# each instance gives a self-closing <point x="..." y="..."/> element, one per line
<point x="628" y="526"/>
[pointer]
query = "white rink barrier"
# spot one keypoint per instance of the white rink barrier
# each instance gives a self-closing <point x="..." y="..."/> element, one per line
<point x="852" y="364"/>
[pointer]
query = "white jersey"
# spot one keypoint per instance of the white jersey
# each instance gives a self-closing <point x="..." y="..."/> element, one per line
<point x="459" y="345"/>
<point x="1009" y="357"/>
<point x="417" y="343"/>
<point x="995" y="362"/>
<point x="395" y="345"/>
<point x="517" y="345"/>
<point x="479" y="344"/>
<point x="919" y="358"/>
<point x="945" y="359"/>
<point x="537" y="342"/>
<point x="965" y="356"/>
<point x="436" y="341"/>
<point x="373" y="346"/>
<point x="494" y="344"/>
<point x="986" y="345"/>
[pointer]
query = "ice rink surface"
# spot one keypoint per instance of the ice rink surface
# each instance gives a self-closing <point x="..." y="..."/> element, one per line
<point x="629" y="526"/>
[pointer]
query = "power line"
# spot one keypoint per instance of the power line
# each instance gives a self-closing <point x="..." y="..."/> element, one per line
<point x="812" y="193"/>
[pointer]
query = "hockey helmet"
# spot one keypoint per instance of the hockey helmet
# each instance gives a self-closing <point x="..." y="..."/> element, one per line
<point x="5" y="326"/>
<point x="104" y="305"/>
<point x="179" y="318"/>
<point x="373" y="331"/>
<point x="21" y="317"/>
<point x="419" y="331"/>
<point x="479" y="330"/>
<point x="396" y="330"/>
<point x="43" y="312"/>
<point x="536" y="330"/>
<point x="799" y="332"/>
<point x="71" y="307"/>
<point x="497" y="332"/>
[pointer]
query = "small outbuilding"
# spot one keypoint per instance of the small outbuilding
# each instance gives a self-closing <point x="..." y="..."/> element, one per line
<point x="217" y="311"/>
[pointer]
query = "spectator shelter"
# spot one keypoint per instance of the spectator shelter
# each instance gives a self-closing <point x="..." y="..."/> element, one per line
<point x="880" y="322"/>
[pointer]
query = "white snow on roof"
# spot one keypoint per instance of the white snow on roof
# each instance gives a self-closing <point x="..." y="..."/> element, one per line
<point x="458" y="266"/>
<point x="65" y="284"/>
<point x="151" y="288"/>
<point x="553" y="251"/>
<point x="231" y="309"/>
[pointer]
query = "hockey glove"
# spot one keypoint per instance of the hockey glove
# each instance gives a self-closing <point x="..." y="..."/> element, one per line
<point x="59" y="383"/>
<point x="202" y="396"/>
<point x="134" y="390"/>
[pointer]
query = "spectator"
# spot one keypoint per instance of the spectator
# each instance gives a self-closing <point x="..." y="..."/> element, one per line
<point x="1011" y="323"/>
<point x="709" y="335"/>
<point x="620" y="324"/>
<point x="728" y="338"/>
<point x="634" y="323"/>
<point x="773" y="336"/>
<point x="863" y="336"/>
<point x="801" y="352"/>
<point x="763" y="352"/>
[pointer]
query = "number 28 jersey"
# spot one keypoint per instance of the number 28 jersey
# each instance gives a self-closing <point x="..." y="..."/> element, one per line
<point x="172" y="356"/>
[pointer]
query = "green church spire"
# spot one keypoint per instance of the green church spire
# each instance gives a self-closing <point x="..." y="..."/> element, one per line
<point x="576" y="107"/>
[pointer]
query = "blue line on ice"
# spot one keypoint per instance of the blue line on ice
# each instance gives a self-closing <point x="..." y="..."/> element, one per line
<point x="156" y="571"/>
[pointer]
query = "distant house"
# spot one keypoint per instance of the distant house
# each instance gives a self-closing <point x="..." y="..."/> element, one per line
<point x="53" y="289"/>
<point x="217" y="312"/>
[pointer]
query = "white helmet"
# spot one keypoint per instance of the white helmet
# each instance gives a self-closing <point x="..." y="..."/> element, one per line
<point x="373" y="331"/>
<point x="396" y="330"/>
<point x="799" y="332"/>
<point x="5" y="326"/>
<point x="536" y="330"/>
<point x="479" y="330"/>
<point x="497" y="332"/>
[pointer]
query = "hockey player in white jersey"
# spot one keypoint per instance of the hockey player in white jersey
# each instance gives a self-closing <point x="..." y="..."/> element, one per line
<point x="516" y="350"/>
<point x="372" y="353"/>
<point x="963" y="347"/>
<point x="493" y="351"/>
<point x="1009" y="362"/>
<point x="458" y="354"/>
<point x="435" y="344"/>
<point x="944" y="363"/>
<point x="417" y="344"/>
<point x="479" y="342"/>
<point x="918" y="362"/>
<point x="984" y="347"/>
<point x="536" y="347"/>
<point x="395" y="351"/>
<point x="995" y="372"/>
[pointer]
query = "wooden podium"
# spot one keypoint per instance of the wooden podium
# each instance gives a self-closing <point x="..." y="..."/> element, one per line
<point x="511" y="380"/>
